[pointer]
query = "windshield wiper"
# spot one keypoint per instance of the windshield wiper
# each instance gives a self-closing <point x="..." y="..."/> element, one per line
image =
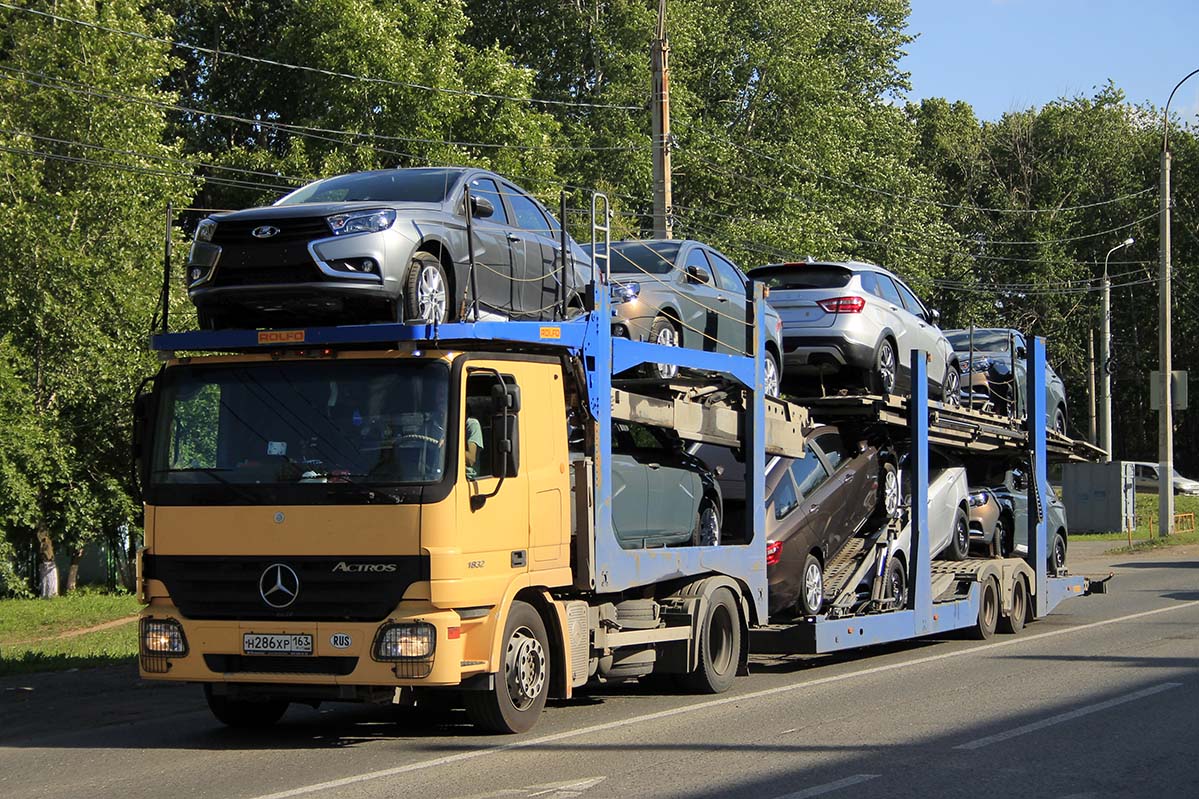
<point x="214" y="473"/>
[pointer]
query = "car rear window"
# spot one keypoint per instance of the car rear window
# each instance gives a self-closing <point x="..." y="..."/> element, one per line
<point x="384" y="185"/>
<point x="804" y="277"/>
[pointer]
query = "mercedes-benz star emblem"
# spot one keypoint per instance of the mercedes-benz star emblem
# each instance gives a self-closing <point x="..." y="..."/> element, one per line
<point x="279" y="585"/>
<point x="264" y="231"/>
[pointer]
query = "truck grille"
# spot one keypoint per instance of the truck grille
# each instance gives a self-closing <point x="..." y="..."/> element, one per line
<point x="205" y="587"/>
<point x="280" y="664"/>
<point x="283" y="258"/>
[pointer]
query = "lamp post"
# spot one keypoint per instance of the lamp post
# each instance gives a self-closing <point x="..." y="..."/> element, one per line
<point x="1105" y="354"/>
<point x="1165" y="415"/>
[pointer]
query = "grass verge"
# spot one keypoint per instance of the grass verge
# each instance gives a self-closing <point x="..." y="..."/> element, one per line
<point x="41" y="635"/>
<point x="1143" y="537"/>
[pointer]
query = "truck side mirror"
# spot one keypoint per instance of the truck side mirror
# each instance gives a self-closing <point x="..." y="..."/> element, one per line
<point x="505" y="397"/>
<point x="505" y="446"/>
<point x="481" y="207"/>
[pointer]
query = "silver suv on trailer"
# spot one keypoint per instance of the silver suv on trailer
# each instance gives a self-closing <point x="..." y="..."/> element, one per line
<point x="857" y="319"/>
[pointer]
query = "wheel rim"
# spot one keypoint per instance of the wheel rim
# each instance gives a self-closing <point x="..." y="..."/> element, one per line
<point x="898" y="587"/>
<point x="1059" y="422"/>
<point x="720" y="639"/>
<point x="1059" y="554"/>
<point x="667" y="337"/>
<point x="431" y="293"/>
<point x="813" y="586"/>
<point x="770" y="377"/>
<point x="524" y="668"/>
<point x="952" y="389"/>
<point x="709" y="527"/>
<point x="890" y="492"/>
<point x="962" y="531"/>
<point x="886" y="367"/>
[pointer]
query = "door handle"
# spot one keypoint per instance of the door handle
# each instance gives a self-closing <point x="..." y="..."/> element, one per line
<point x="894" y="307"/>
<point x="653" y="466"/>
<point x="722" y="299"/>
<point x="848" y="476"/>
<point x="513" y="237"/>
<point x="813" y="508"/>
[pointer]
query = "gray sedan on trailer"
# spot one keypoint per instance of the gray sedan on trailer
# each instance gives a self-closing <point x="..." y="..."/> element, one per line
<point x="987" y="356"/>
<point x="857" y="319"/>
<point x="681" y="292"/>
<point x="389" y="244"/>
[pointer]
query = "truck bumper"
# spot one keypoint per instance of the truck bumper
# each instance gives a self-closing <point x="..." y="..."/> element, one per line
<point x="343" y="653"/>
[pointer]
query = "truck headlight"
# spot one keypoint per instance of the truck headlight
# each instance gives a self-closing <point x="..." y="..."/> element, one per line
<point x="205" y="230"/>
<point x="163" y="637"/>
<point x="361" y="222"/>
<point x="414" y="641"/>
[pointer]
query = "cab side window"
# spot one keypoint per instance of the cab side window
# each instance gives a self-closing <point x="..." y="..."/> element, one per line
<point x="479" y="421"/>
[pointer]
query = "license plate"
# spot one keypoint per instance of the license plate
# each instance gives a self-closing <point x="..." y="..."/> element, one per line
<point x="260" y="644"/>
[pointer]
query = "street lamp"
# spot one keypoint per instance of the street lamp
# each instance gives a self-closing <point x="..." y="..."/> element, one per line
<point x="1165" y="415"/>
<point x="1105" y="354"/>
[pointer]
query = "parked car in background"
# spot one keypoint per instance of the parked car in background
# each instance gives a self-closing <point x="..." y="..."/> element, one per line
<point x="999" y="514"/>
<point x="661" y="494"/>
<point x="389" y="244"/>
<point x="988" y="374"/>
<point x="1147" y="480"/>
<point x="859" y="322"/>
<point x="814" y="505"/>
<point x="683" y="293"/>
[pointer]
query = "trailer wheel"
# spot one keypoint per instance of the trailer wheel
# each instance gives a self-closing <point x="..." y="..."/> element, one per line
<point x="245" y="714"/>
<point x="988" y="611"/>
<point x="1013" y="622"/>
<point x="719" y="646"/>
<point x="516" y="701"/>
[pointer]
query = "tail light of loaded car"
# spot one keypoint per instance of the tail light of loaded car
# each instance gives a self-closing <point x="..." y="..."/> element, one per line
<point x="774" y="551"/>
<point x="843" y="304"/>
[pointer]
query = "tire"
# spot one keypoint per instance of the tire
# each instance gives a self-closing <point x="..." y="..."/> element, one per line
<point x="811" y="589"/>
<point x="1013" y="621"/>
<point x="988" y="611"/>
<point x="959" y="541"/>
<point x="884" y="375"/>
<point x="888" y="491"/>
<point x="663" y="331"/>
<point x="426" y="290"/>
<point x="516" y="702"/>
<point x="1005" y="530"/>
<point x="1057" y="555"/>
<point x="771" y="376"/>
<point x="951" y="386"/>
<point x="707" y="525"/>
<point x="1059" y="420"/>
<point x="719" y="646"/>
<point x="897" y="582"/>
<point x="245" y="714"/>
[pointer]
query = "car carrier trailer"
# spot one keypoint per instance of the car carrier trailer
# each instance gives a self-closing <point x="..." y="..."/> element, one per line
<point x="514" y="588"/>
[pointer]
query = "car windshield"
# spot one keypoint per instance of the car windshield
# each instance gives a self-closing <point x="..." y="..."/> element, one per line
<point x="640" y="257"/>
<point x="803" y="276"/>
<point x="385" y="185"/>
<point x="301" y="423"/>
<point x="984" y="340"/>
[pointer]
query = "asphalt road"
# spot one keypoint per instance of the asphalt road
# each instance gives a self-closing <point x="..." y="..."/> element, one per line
<point x="1100" y="699"/>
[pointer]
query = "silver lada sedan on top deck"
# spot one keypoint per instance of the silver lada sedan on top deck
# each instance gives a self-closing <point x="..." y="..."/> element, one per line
<point x="857" y="320"/>
<point x="384" y="245"/>
<point x="683" y="293"/>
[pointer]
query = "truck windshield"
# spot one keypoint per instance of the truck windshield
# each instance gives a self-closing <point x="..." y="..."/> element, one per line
<point x="299" y="431"/>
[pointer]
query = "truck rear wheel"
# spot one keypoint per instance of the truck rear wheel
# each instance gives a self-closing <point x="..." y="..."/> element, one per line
<point x="245" y="713"/>
<point x="988" y="610"/>
<point x="719" y="646"/>
<point x="516" y="701"/>
<point x="1013" y="622"/>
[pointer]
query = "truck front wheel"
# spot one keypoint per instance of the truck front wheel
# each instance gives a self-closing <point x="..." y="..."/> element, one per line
<point x="516" y="701"/>
<point x="245" y="713"/>
<point x="719" y="646"/>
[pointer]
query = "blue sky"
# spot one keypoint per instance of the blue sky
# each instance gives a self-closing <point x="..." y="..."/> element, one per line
<point x="1005" y="55"/>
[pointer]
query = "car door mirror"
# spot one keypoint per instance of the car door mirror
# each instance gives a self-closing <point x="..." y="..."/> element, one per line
<point x="481" y="207"/>
<point x="934" y="316"/>
<point x="698" y="274"/>
<point x="1021" y="352"/>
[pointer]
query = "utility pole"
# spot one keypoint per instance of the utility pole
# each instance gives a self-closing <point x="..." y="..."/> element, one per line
<point x="660" y="110"/>
<point x="1091" y="388"/>
<point x="1105" y="356"/>
<point x="1165" y="414"/>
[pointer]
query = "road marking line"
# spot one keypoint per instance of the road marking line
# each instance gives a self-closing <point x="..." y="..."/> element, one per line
<point x="1068" y="716"/>
<point x="678" y="711"/>
<point x="829" y="787"/>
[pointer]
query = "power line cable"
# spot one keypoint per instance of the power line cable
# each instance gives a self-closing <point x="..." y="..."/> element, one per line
<point x="315" y="70"/>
